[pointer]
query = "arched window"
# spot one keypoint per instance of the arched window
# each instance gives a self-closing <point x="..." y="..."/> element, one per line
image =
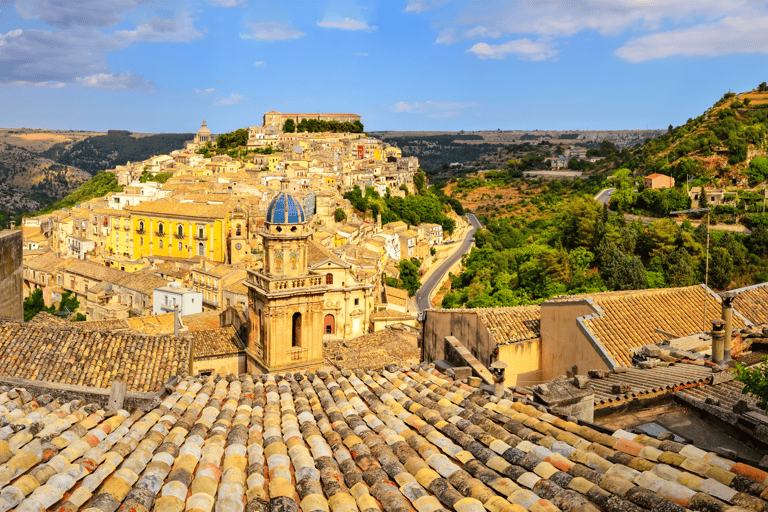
<point x="160" y="228"/>
<point x="141" y="241"/>
<point x="238" y="230"/>
<point x="329" y="324"/>
<point x="161" y="244"/>
<point x="180" y="230"/>
<point x="329" y="278"/>
<point x="200" y="249"/>
<point x="296" y="334"/>
<point x="180" y="246"/>
<point x="141" y="226"/>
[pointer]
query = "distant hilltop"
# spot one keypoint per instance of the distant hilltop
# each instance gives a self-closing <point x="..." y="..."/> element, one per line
<point x="274" y="119"/>
<point x="623" y="139"/>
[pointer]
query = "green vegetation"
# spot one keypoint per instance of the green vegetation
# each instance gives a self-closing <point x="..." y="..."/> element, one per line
<point x="232" y="140"/>
<point x="317" y="125"/>
<point x="428" y="206"/>
<point x="34" y="304"/>
<point x="755" y="379"/>
<point x="289" y="126"/>
<point x="577" y="246"/>
<point x="339" y="215"/>
<point x="100" y="185"/>
<point x="160" y="177"/>
<point x="409" y="276"/>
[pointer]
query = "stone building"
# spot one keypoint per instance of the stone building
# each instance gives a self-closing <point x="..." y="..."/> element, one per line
<point x="274" y="119"/>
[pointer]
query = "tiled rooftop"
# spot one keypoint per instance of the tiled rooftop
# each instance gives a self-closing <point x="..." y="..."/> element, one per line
<point x="70" y="355"/>
<point x="508" y="325"/>
<point x="752" y="302"/>
<point x="345" y="442"/>
<point x="630" y="319"/>
<point x="374" y="351"/>
<point x="216" y="342"/>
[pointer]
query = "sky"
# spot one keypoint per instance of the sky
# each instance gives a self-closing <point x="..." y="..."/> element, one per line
<point x="164" y="66"/>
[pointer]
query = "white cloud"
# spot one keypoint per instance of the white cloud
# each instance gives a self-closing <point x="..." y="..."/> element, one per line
<point x="259" y="64"/>
<point x="161" y="30"/>
<point x="726" y="36"/>
<point x="228" y="3"/>
<point x="422" y="5"/>
<point x="117" y="82"/>
<point x="703" y="27"/>
<point x="435" y="109"/>
<point x="204" y="91"/>
<point x="65" y="14"/>
<point x="347" y="24"/>
<point x="523" y="49"/>
<point x="233" y="99"/>
<point x="272" y="31"/>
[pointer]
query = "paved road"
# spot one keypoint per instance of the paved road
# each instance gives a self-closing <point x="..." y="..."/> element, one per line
<point x="423" y="293"/>
<point x="604" y="196"/>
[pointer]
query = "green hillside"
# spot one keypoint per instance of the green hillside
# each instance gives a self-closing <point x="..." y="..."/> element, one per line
<point x="726" y="145"/>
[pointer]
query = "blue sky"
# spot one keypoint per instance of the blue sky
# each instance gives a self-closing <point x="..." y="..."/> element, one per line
<point x="163" y="66"/>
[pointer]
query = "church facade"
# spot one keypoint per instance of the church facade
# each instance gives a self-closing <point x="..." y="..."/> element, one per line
<point x="303" y="296"/>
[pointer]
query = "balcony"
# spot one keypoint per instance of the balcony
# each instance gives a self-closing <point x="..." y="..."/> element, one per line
<point x="141" y="232"/>
<point x="127" y="228"/>
<point x="179" y="236"/>
<point x="161" y="234"/>
<point x="201" y="236"/>
<point x="279" y="284"/>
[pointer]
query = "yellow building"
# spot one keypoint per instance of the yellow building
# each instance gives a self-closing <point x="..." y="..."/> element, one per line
<point x="181" y="230"/>
<point x="274" y="161"/>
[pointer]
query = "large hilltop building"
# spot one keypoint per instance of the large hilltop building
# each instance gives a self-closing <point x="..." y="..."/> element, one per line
<point x="274" y="119"/>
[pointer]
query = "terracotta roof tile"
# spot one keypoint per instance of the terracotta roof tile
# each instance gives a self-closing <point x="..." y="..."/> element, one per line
<point x="70" y="355"/>
<point x="343" y="442"/>
<point x="752" y="302"/>
<point x="508" y="325"/>
<point x="216" y="342"/>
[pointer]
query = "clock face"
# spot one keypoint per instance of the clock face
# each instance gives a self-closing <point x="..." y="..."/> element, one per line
<point x="238" y="246"/>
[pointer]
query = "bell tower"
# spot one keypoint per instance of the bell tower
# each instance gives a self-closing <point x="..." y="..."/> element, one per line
<point x="285" y="302"/>
<point x="239" y="249"/>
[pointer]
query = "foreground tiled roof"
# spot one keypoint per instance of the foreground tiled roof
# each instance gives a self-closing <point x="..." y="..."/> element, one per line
<point x="508" y="325"/>
<point x="71" y="355"/>
<point x="397" y="442"/>
<point x="630" y="319"/>
<point x="752" y="302"/>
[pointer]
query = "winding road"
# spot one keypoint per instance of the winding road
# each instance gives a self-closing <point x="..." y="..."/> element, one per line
<point x="423" y="293"/>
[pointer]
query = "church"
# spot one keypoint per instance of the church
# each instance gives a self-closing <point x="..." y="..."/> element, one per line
<point x="303" y="296"/>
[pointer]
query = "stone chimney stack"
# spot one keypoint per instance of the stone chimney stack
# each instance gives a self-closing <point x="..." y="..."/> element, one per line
<point x="728" y="298"/>
<point x="13" y="224"/>
<point x="718" y="340"/>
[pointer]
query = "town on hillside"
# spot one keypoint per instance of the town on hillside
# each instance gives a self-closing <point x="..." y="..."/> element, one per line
<point x="230" y="329"/>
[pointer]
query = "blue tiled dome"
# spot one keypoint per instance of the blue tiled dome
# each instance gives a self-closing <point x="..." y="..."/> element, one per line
<point x="284" y="209"/>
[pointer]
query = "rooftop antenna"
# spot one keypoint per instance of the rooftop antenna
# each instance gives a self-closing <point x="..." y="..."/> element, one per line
<point x="706" y="272"/>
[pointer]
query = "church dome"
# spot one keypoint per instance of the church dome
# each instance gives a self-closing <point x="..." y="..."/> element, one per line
<point x="204" y="130"/>
<point x="284" y="209"/>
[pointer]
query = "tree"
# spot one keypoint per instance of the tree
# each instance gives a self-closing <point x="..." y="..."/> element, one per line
<point x="757" y="242"/>
<point x="35" y="304"/>
<point x="720" y="268"/>
<point x="755" y="379"/>
<point x="419" y="180"/>
<point x="289" y="126"/>
<point x="679" y="268"/>
<point x="68" y="300"/>
<point x="409" y="277"/>
<point x="757" y="170"/>
<point x="624" y="272"/>
<point x="339" y="215"/>
<point x="762" y="87"/>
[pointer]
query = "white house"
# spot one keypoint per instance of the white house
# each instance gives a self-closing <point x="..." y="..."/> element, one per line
<point x="391" y="244"/>
<point x="166" y="298"/>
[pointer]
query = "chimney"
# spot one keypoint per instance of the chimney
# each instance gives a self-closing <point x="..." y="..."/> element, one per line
<point x="13" y="224"/>
<point x="728" y="298"/>
<point x="497" y="369"/>
<point x="176" y="320"/>
<point x="718" y="340"/>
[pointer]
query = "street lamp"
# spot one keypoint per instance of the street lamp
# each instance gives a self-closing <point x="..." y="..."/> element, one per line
<point x="706" y="271"/>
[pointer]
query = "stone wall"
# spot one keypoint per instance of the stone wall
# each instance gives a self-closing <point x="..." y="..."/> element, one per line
<point x="11" y="275"/>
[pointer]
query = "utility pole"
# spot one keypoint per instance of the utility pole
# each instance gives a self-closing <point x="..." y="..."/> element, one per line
<point x="706" y="271"/>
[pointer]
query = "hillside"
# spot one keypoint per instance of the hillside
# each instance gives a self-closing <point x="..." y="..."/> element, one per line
<point x="117" y="147"/>
<point x="719" y="145"/>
